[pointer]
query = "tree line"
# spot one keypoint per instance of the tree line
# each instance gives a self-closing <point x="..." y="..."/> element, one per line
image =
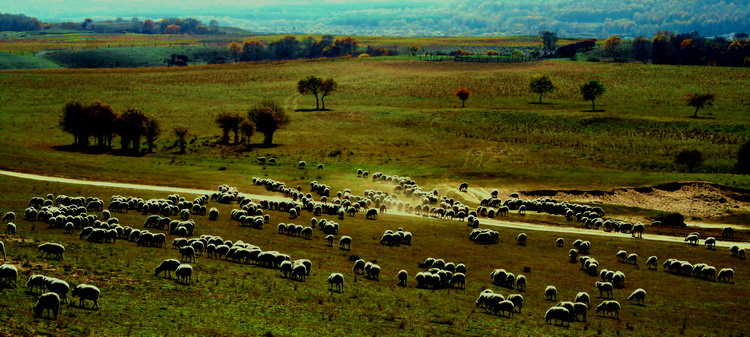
<point x="135" y="25"/>
<point x="19" y="23"/>
<point x="289" y="47"/>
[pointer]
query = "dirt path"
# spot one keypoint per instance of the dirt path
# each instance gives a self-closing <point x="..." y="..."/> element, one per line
<point x="485" y="222"/>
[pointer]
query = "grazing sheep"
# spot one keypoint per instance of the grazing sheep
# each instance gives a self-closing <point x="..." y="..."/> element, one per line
<point x="359" y="267"/>
<point x="86" y="292"/>
<point x="604" y="288"/>
<point x="573" y="255"/>
<point x="302" y="164"/>
<point x="652" y="262"/>
<point x="734" y="251"/>
<point x="50" y="302"/>
<point x="727" y="275"/>
<point x="461" y="268"/>
<point x="560" y="242"/>
<point x="167" y="266"/>
<point x="8" y="275"/>
<point x="345" y="241"/>
<point x="10" y="228"/>
<point x="402" y="276"/>
<point x="505" y="308"/>
<point x="521" y="283"/>
<point x="59" y="287"/>
<point x="329" y="240"/>
<point x="632" y="259"/>
<point x="37" y="282"/>
<point x="299" y="272"/>
<point x="293" y="213"/>
<point x="583" y="297"/>
<point x="2" y="249"/>
<point x="184" y="273"/>
<point x="517" y="300"/>
<point x="521" y="238"/>
<point x="692" y="239"/>
<point x="611" y="308"/>
<point x="727" y="233"/>
<point x="336" y="279"/>
<point x="741" y="253"/>
<point x="522" y="210"/>
<point x="580" y="308"/>
<point x="213" y="214"/>
<point x="557" y="314"/>
<point x="286" y="268"/>
<point x="188" y="253"/>
<point x="55" y="249"/>
<point x="320" y="166"/>
<point x="622" y="256"/>
<point x="710" y="242"/>
<point x="9" y="217"/>
<point x="463" y="187"/>
<point x="373" y="272"/>
<point x="639" y="295"/>
<point x="550" y="293"/>
<point x="372" y="214"/>
<point x="485" y="297"/>
<point x="638" y="228"/>
<point x="618" y="279"/>
<point x="458" y="281"/>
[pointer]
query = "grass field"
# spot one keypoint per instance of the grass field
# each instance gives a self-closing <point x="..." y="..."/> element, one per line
<point x="232" y="299"/>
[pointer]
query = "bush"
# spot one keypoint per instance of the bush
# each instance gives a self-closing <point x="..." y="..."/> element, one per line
<point x="691" y="159"/>
<point x="743" y="159"/>
<point x="672" y="219"/>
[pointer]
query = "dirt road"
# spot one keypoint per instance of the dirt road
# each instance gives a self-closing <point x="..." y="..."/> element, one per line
<point x="483" y="221"/>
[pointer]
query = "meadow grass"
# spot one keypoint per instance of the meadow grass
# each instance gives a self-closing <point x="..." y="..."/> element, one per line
<point x="231" y="299"/>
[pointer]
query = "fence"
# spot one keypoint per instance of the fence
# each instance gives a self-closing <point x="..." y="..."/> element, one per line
<point x="439" y="57"/>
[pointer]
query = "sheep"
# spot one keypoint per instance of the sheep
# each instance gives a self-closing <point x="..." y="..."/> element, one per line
<point x="618" y="279"/>
<point x="10" y="228"/>
<point x="521" y="283"/>
<point x="611" y="308"/>
<point x="59" y="287"/>
<point x="485" y="297"/>
<point x="622" y="256"/>
<point x="286" y="268"/>
<point x="213" y="214"/>
<point x="293" y="213"/>
<point x="55" y="249"/>
<point x="580" y="308"/>
<point x="692" y="239"/>
<point x="167" y="266"/>
<point x="502" y="307"/>
<point x="734" y="251"/>
<point x="86" y="292"/>
<point x="573" y="255"/>
<point x="184" y="273"/>
<point x="2" y="249"/>
<point x="345" y="241"/>
<point x="521" y="238"/>
<point x="302" y="164"/>
<point x="550" y="293"/>
<point x="188" y="253"/>
<point x="336" y="279"/>
<point x="373" y="272"/>
<point x="517" y="300"/>
<point x="741" y="253"/>
<point x="299" y="272"/>
<point x="461" y="268"/>
<point x="710" y="243"/>
<point x="632" y="259"/>
<point x="583" y="297"/>
<point x="604" y="288"/>
<point x="402" y="276"/>
<point x="329" y="240"/>
<point x="8" y="275"/>
<point x="372" y="214"/>
<point x="35" y="282"/>
<point x="9" y="217"/>
<point x="359" y="267"/>
<point x="639" y="295"/>
<point x="261" y="160"/>
<point x="727" y="275"/>
<point x="638" y="228"/>
<point x="652" y="262"/>
<point x="458" y="280"/>
<point x="557" y="314"/>
<point x="584" y="247"/>
<point x="522" y="210"/>
<point x="50" y="302"/>
<point x="560" y="242"/>
<point x="727" y="233"/>
<point x="463" y="187"/>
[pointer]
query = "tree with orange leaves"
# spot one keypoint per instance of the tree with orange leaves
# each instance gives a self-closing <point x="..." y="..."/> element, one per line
<point x="463" y="94"/>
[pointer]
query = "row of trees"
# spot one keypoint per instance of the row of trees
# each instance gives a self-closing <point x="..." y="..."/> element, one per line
<point x="266" y="118"/>
<point x="289" y="47"/>
<point x="19" y="23"/>
<point x="98" y="121"/>
<point x="136" y="25"/>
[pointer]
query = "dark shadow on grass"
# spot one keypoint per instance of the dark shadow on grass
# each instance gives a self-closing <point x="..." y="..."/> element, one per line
<point x="543" y="103"/>
<point x="311" y="110"/>
<point x="701" y="117"/>
<point x="85" y="150"/>
<point x="594" y="110"/>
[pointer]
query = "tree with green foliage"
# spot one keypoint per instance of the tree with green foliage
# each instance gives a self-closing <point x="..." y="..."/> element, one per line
<point x="549" y="42"/>
<point x="74" y="121"/>
<point x="253" y="50"/>
<point x="229" y="121"/>
<point x="742" y="166"/>
<point x="181" y="132"/>
<point x="699" y="101"/>
<point x="102" y="123"/>
<point x="641" y="49"/>
<point x="131" y="125"/>
<point x="152" y="133"/>
<point x="247" y="128"/>
<point x="463" y="94"/>
<point x="691" y="159"/>
<point x="612" y="46"/>
<point x="268" y="117"/>
<point x="310" y="85"/>
<point x="327" y="87"/>
<point x="541" y="84"/>
<point x="591" y="90"/>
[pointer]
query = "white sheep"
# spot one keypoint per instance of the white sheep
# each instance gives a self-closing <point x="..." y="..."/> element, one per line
<point x="550" y="293"/>
<point x="458" y="280"/>
<point x="506" y="308"/>
<point x="336" y="279"/>
<point x="188" y="252"/>
<point x="580" y="308"/>
<point x="36" y="281"/>
<point x="485" y="296"/>
<point x="639" y="296"/>
<point x="345" y="241"/>
<point x="611" y="308"/>
<point x="622" y="256"/>
<point x="521" y="283"/>
<point x="517" y="300"/>
<point x="50" y="302"/>
<point x="727" y="275"/>
<point x="184" y="273"/>
<point x="710" y="242"/>
<point x="86" y="292"/>
<point x="632" y="259"/>
<point x="8" y="275"/>
<point x="604" y="288"/>
<point x="560" y="242"/>
<point x="521" y="238"/>
<point x="652" y="262"/>
<point x="299" y="271"/>
<point x="167" y="266"/>
<point x="55" y="249"/>
<point x="10" y="228"/>
<point x="329" y="240"/>
<point x="741" y="253"/>
<point x="583" y="297"/>
<point x="402" y="276"/>
<point x="2" y="249"/>
<point x="59" y="287"/>
<point x="557" y="314"/>
<point x="9" y="217"/>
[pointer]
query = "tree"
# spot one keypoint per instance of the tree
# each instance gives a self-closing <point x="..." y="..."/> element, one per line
<point x="284" y="49"/>
<point x="149" y="27"/>
<point x="172" y="29"/>
<point x="268" y="117"/>
<point x="247" y="128"/>
<point x="689" y="158"/>
<point x="742" y="165"/>
<point x="153" y="131"/>
<point x="699" y="101"/>
<point x="641" y="48"/>
<point x="253" y="50"/>
<point x="310" y="85"/>
<point x="590" y="91"/>
<point x="102" y="123"/>
<point x="463" y="94"/>
<point x="86" y="22"/>
<point x="229" y="121"/>
<point x="235" y="51"/>
<point x="73" y="121"/>
<point x="541" y="84"/>
<point x="612" y="46"/>
<point x="181" y="132"/>
<point x="131" y="125"/>
<point x="549" y="42"/>
<point x="327" y="86"/>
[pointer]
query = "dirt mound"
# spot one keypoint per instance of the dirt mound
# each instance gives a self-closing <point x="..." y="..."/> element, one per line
<point x="692" y="199"/>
